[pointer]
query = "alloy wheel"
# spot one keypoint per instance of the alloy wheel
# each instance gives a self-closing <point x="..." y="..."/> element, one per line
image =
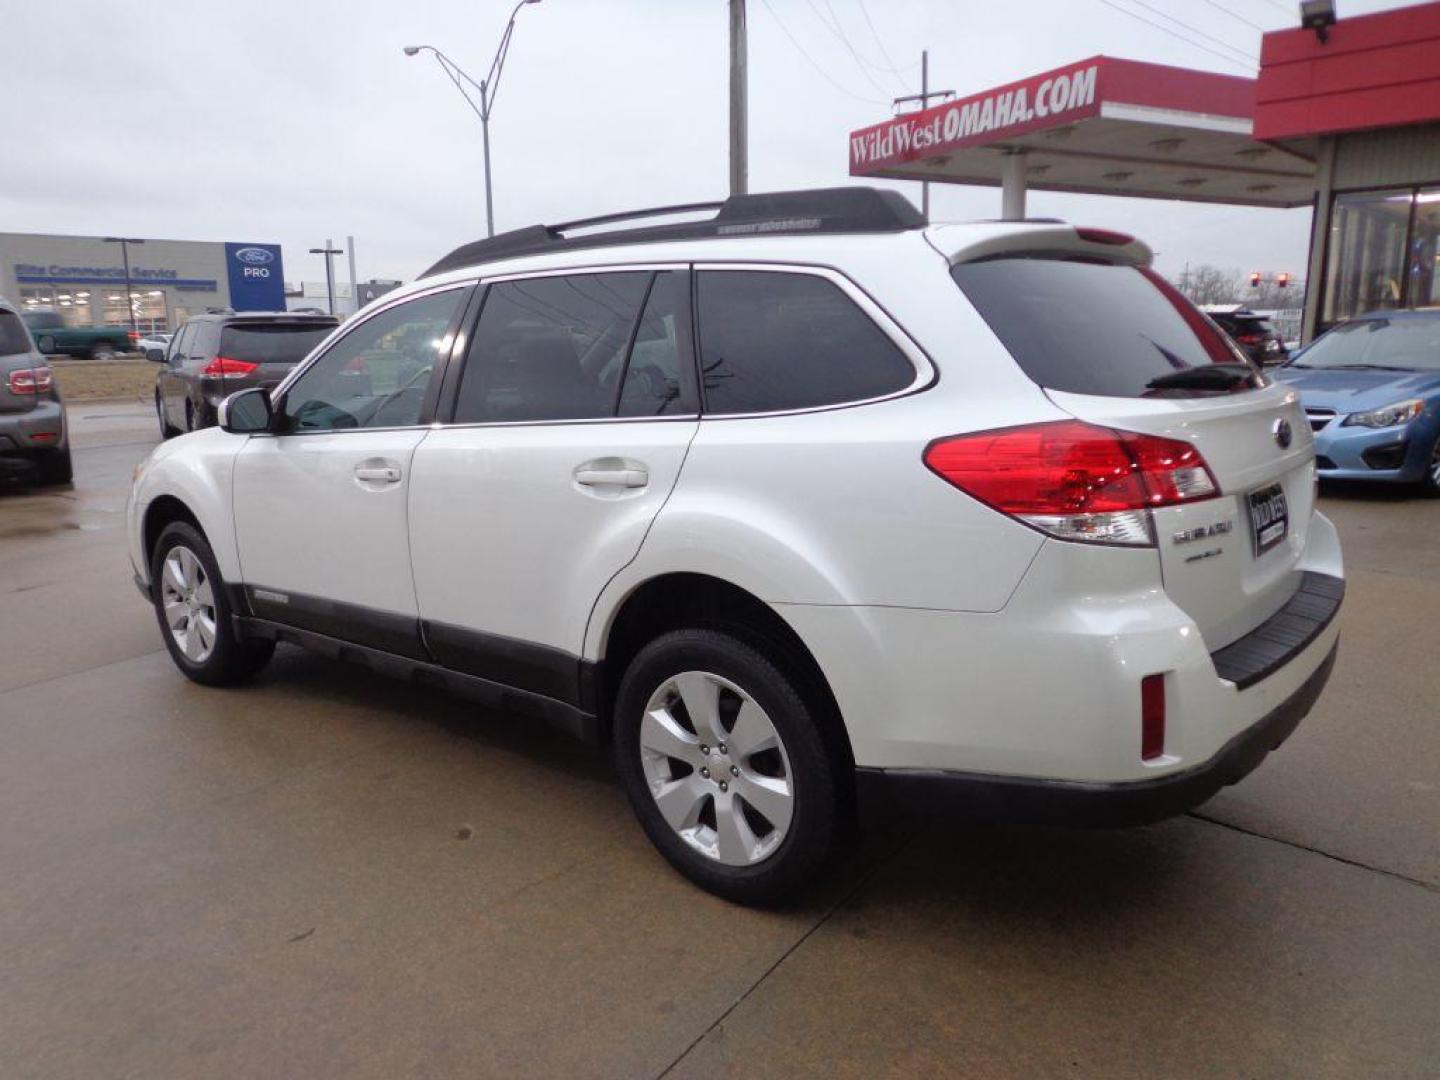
<point x="189" y="604"/>
<point x="717" y="768"/>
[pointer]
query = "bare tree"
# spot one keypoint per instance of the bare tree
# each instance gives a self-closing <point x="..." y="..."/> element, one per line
<point x="1206" y="284"/>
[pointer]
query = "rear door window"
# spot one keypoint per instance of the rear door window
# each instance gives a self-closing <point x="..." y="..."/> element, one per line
<point x="774" y="341"/>
<point x="552" y="348"/>
<point x="13" y="338"/>
<point x="271" y="343"/>
<point x="1091" y="328"/>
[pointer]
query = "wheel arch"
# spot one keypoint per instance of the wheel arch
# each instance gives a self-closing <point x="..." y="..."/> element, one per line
<point x="677" y="600"/>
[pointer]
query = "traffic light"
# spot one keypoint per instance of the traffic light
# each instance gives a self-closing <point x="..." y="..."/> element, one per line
<point x="1255" y="279"/>
<point x="1282" y="279"/>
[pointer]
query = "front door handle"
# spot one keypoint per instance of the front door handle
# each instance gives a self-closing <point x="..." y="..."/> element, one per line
<point x="624" y="475"/>
<point x="372" y="473"/>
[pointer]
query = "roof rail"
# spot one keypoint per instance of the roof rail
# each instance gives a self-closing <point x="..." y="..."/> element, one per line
<point x="810" y="212"/>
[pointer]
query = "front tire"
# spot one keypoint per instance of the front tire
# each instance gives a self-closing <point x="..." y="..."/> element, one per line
<point x="1430" y="481"/>
<point x="725" y="766"/>
<point x="194" y="611"/>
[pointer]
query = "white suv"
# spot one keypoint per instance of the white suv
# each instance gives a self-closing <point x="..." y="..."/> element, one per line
<point x="800" y="498"/>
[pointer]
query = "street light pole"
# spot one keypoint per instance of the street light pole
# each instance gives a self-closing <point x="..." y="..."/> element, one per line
<point x="125" y="242"/>
<point x="486" y="88"/>
<point x="328" y="250"/>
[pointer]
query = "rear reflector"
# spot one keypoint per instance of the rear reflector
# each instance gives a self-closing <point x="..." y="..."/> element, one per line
<point x="1152" y="717"/>
<point x="43" y="436"/>
<point x="225" y="367"/>
<point x="1073" y="480"/>
<point x="37" y="380"/>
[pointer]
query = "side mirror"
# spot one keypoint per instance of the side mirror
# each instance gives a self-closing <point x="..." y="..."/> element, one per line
<point x="247" y="412"/>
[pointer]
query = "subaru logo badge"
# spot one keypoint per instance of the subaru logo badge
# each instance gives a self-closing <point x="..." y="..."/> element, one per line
<point x="1283" y="434"/>
<point x="255" y="256"/>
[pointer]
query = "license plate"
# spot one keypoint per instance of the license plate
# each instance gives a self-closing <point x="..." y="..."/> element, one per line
<point x="1269" y="517"/>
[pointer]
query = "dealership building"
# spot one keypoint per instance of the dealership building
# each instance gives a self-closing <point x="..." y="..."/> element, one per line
<point x="85" y="278"/>
<point x="1344" y="117"/>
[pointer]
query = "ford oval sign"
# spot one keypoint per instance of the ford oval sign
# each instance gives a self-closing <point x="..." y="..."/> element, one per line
<point x="255" y="256"/>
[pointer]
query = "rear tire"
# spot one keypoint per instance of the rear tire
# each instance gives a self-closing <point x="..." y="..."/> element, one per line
<point x="194" y="611"/>
<point x="189" y="415"/>
<point x="726" y="768"/>
<point x="55" y="467"/>
<point x="102" y="350"/>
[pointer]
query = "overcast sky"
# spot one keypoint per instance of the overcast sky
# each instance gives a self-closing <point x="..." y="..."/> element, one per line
<point x="290" y="122"/>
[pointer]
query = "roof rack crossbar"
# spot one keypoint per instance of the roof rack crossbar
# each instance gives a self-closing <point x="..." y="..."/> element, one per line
<point x="783" y="213"/>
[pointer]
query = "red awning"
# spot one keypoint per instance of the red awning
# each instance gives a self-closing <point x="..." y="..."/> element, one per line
<point x="1100" y="126"/>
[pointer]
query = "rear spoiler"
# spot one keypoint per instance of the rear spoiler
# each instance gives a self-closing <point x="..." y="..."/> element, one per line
<point x="963" y="243"/>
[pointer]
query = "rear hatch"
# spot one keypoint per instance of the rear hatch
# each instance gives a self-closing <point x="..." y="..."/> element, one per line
<point x="274" y="346"/>
<point x="1114" y="345"/>
<point x="17" y="371"/>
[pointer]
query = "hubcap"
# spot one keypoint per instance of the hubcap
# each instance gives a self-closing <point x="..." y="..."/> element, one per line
<point x="716" y="768"/>
<point x="189" y="604"/>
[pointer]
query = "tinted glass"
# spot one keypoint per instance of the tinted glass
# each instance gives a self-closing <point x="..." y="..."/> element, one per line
<point x="13" y="338"/>
<point x="376" y="375"/>
<point x="550" y="348"/>
<point x="1090" y="328"/>
<point x="43" y="320"/>
<point x="772" y="341"/>
<point x="1410" y="343"/>
<point x="271" y="343"/>
<point x="652" y="384"/>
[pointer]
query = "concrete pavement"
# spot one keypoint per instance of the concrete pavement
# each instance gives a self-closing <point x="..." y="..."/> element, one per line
<point x="330" y="874"/>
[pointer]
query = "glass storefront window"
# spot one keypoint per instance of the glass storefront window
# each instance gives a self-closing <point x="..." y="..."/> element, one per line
<point x="1366" y="268"/>
<point x="72" y="304"/>
<point x="148" y="305"/>
<point x="1425" y="250"/>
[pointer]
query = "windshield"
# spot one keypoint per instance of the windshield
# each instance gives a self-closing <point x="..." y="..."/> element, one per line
<point x="1093" y="328"/>
<point x="277" y="343"/>
<point x="1408" y="343"/>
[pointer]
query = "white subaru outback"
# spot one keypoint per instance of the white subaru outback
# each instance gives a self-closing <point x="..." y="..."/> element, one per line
<point x="800" y="498"/>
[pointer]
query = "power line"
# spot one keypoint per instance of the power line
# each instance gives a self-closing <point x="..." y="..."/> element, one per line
<point x="838" y="31"/>
<point x="1173" y="33"/>
<point x="1276" y="4"/>
<point x="1234" y="15"/>
<point x="811" y="60"/>
<point x="1196" y="30"/>
<point x="881" y="44"/>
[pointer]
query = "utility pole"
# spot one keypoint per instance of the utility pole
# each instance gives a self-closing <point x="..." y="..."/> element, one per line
<point x="924" y="99"/>
<point x="125" y="242"/>
<point x="354" y="290"/>
<point x="328" y="250"/>
<point x="739" y="108"/>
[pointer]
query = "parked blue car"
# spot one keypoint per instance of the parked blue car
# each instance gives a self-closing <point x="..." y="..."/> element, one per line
<point x="1371" y="387"/>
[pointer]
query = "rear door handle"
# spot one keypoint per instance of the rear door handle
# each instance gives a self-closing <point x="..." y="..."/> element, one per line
<point x="591" y="476"/>
<point x="378" y="474"/>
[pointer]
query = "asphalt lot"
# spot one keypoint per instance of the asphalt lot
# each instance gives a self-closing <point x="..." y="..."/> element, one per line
<point x="328" y="874"/>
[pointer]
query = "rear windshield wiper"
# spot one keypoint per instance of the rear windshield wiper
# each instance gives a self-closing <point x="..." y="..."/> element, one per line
<point x="1208" y="377"/>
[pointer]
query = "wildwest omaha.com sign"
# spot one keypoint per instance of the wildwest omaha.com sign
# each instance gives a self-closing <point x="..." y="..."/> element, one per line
<point x="1011" y="110"/>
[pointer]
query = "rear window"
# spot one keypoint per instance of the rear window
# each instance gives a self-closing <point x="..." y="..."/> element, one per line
<point x="1091" y="328"/>
<point x="13" y="338"/>
<point x="43" y="320"/>
<point x="271" y="343"/>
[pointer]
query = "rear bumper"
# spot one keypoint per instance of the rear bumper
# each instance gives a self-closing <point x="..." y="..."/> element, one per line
<point x="35" y="431"/>
<point x="1060" y="802"/>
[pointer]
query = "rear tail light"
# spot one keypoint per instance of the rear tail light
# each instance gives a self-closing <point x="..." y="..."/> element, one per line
<point x="1073" y="480"/>
<point x="1249" y="339"/>
<point x="224" y="367"/>
<point x="1152" y="717"/>
<point x="36" y="380"/>
<point x="133" y="335"/>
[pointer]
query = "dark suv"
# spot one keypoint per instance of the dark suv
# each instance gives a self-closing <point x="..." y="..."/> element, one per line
<point x="215" y="354"/>
<point x="1253" y="333"/>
